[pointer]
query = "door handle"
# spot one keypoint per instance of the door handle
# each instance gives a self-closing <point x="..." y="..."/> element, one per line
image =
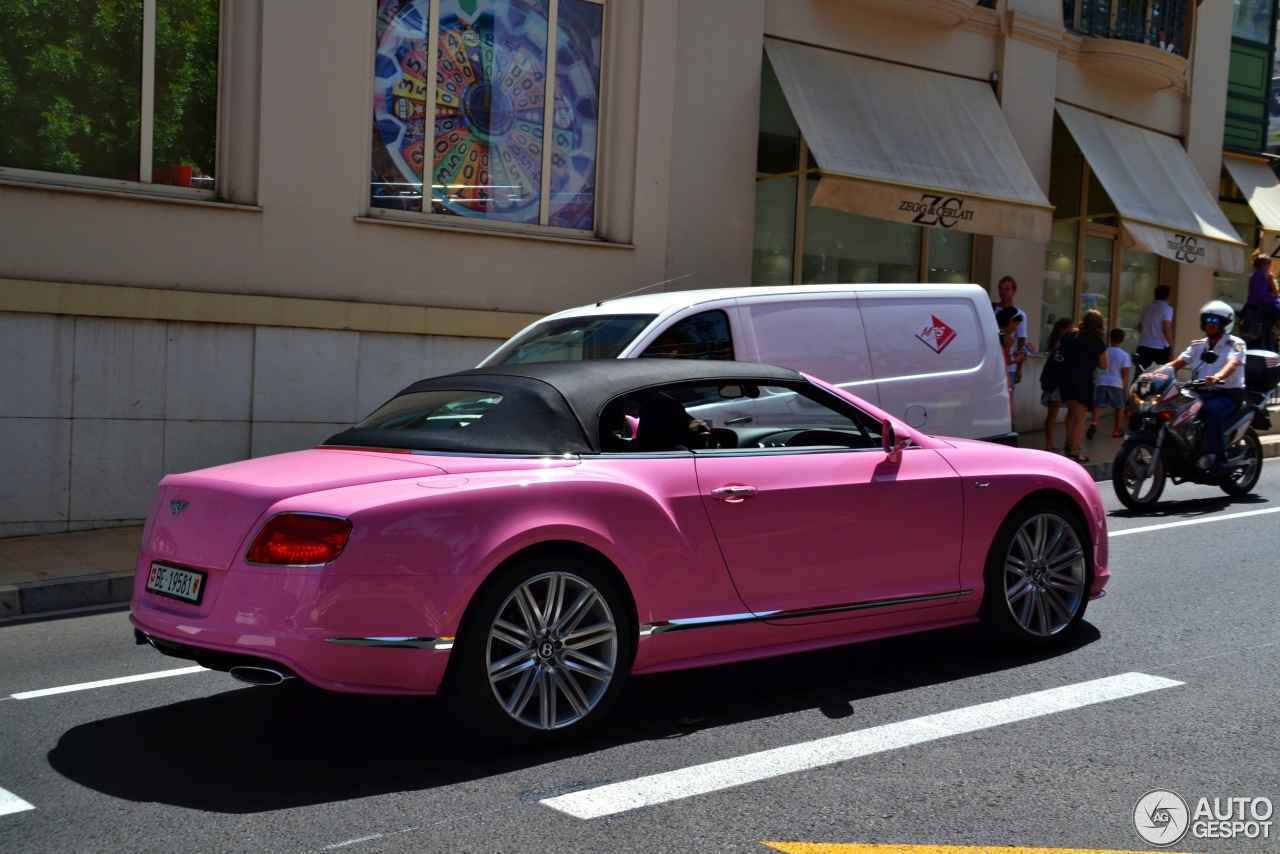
<point x="734" y="494"/>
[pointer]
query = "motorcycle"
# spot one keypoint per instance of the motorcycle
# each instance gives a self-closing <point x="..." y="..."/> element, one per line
<point x="1166" y="441"/>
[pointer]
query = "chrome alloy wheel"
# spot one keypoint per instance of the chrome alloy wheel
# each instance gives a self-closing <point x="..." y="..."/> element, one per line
<point x="1044" y="575"/>
<point x="552" y="651"/>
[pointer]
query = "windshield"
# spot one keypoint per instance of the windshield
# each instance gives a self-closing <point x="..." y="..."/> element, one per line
<point x="431" y="410"/>
<point x="574" y="339"/>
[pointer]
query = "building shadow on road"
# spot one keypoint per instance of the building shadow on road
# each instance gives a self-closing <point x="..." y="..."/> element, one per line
<point x="255" y="750"/>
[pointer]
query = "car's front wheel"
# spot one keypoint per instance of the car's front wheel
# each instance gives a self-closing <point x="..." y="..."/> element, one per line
<point x="1038" y="576"/>
<point x="543" y="652"/>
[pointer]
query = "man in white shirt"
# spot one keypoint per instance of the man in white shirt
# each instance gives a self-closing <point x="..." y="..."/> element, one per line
<point x="1155" y="346"/>
<point x="1007" y="288"/>
<point x="1218" y="359"/>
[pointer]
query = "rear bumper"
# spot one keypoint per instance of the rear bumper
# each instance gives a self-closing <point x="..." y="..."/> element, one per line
<point x="289" y="619"/>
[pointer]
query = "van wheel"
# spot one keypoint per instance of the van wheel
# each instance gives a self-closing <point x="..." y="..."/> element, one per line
<point x="544" y="653"/>
<point x="1038" y="576"/>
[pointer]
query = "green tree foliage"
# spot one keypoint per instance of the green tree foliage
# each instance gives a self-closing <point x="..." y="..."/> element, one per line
<point x="186" y="83"/>
<point x="71" y="90"/>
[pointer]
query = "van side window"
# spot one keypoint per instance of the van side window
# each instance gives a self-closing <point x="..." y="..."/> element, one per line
<point x="702" y="336"/>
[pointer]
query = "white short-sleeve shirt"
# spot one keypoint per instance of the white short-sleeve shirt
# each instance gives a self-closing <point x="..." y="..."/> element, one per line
<point x="1152" y="320"/>
<point x="1230" y="348"/>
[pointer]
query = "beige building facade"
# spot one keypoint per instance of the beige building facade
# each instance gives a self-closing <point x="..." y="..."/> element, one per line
<point x="351" y="229"/>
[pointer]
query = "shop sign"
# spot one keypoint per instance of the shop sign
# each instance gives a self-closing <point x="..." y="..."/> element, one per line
<point x="937" y="211"/>
<point x="1186" y="249"/>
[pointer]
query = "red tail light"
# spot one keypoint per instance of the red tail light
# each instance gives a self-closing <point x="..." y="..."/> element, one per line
<point x="299" y="539"/>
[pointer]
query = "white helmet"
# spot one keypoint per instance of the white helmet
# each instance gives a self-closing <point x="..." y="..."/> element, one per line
<point x="1220" y="310"/>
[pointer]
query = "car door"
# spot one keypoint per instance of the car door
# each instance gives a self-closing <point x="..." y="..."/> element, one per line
<point x="811" y="526"/>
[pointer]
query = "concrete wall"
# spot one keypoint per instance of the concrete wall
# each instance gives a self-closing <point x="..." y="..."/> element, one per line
<point x="94" y="411"/>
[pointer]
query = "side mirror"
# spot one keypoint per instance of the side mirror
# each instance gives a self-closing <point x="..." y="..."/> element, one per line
<point x="892" y="444"/>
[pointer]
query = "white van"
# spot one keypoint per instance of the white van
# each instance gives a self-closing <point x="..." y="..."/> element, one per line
<point x="928" y="354"/>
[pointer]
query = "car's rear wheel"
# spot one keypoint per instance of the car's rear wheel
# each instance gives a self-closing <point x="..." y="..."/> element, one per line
<point x="1038" y="576"/>
<point x="543" y="652"/>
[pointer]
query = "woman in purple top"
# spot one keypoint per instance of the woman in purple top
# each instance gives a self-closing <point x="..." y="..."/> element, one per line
<point x="1261" y="315"/>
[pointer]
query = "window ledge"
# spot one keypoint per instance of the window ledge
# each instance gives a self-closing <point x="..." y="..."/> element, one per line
<point x="140" y="196"/>
<point x="494" y="232"/>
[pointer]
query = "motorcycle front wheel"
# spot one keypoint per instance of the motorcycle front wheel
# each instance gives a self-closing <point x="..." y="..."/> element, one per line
<point x="1135" y="488"/>
<point x="1245" y="460"/>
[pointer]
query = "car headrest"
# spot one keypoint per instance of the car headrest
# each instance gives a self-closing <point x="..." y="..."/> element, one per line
<point x="664" y="425"/>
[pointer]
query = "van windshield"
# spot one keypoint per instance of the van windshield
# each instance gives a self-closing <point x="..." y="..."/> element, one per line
<point x="573" y="339"/>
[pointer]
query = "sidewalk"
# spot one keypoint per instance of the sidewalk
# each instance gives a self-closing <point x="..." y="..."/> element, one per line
<point x="61" y="572"/>
<point x="1102" y="449"/>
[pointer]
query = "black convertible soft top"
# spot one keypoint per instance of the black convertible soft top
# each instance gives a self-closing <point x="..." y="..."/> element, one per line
<point x="551" y="408"/>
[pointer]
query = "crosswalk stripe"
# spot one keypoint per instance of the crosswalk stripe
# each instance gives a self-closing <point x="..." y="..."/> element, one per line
<point x="10" y="803"/>
<point x="728" y="773"/>
<point x="103" y="683"/>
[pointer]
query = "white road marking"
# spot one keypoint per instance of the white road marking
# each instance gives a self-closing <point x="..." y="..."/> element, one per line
<point x="727" y="773"/>
<point x="1185" y="522"/>
<point x="103" y="683"/>
<point x="9" y="802"/>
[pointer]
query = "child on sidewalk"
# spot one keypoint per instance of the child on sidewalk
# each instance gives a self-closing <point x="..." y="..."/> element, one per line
<point x="1112" y="384"/>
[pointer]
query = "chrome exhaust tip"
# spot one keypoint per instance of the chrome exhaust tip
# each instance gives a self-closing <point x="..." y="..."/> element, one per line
<point x="258" y="675"/>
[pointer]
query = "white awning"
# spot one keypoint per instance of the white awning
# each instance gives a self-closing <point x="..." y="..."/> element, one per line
<point x="910" y="145"/>
<point x="1161" y="199"/>
<point x="1262" y="190"/>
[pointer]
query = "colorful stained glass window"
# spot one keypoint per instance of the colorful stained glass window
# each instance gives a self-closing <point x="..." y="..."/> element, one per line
<point x="400" y="104"/>
<point x="487" y="80"/>
<point x="577" y="114"/>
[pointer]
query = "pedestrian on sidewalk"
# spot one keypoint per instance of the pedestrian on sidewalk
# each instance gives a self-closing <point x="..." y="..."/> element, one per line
<point x="1050" y="393"/>
<point x="1261" y="314"/>
<point x="1007" y="320"/>
<point x="1112" y="382"/>
<point x="1008" y="288"/>
<point x="1155" y="330"/>
<point x="1083" y="351"/>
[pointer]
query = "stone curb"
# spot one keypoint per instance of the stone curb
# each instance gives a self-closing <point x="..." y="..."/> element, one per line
<point x="64" y="594"/>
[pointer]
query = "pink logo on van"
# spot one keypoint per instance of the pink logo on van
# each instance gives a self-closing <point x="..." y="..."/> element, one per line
<point x="936" y="334"/>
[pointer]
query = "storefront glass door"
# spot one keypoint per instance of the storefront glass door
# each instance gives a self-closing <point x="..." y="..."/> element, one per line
<point x="1095" y="293"/>
<point x="1139" y="276"/>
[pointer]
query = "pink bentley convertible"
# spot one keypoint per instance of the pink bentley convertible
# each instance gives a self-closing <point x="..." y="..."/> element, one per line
<point x="522" y="538"/>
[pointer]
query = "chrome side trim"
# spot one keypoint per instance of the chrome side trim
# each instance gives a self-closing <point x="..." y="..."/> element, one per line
<point x="766" y="616"/>
<point x="396" y="642"/>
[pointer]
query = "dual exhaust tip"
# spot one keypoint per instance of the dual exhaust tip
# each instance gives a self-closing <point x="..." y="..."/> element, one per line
<point x="253" y="675"/>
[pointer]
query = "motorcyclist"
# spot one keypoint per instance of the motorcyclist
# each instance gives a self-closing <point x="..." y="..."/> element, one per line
<point x="1218" y="359"/>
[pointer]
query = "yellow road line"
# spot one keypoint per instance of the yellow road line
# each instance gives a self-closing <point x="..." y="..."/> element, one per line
<point x="860" y="848"/>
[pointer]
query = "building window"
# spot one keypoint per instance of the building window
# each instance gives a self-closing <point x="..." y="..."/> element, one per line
<point x="1251" y="20"/>
<point x="1086" y="265"/>
<point x="835" y="247"/>
<point x="484" y="90"/>
<point x="122" y="94"/>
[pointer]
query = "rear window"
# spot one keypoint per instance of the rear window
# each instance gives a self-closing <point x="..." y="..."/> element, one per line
<point x="432" y="410"/>
<point x="574" y="339"/>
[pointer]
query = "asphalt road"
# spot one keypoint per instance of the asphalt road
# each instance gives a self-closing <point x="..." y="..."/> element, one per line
<point x="199" y="763"/>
